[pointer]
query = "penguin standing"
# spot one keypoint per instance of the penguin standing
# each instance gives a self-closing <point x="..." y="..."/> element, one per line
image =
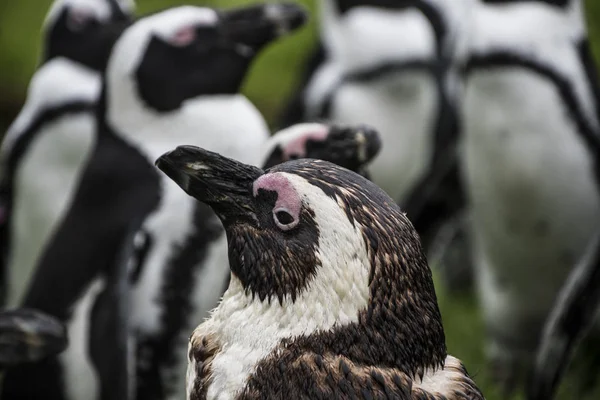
<point x="387" y="64"/>
<point x="394" y="65"/>
<point x="531" y="142"/>
<point x="143" y="258"/>
<point x="330" y="294"/>
<point x="44" y="150"/>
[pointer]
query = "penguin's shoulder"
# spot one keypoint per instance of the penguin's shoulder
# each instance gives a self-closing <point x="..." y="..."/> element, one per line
<point x="54" y="88"/>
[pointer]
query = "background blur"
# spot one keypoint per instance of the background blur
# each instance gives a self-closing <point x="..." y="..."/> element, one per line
<point x="270" y="82"/>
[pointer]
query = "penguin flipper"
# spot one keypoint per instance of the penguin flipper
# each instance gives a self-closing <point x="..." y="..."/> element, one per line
<point x="572" y="316"/>
<point x="109" y="344"/>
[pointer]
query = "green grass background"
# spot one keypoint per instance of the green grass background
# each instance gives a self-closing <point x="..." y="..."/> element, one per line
<point x="270" y="81"/>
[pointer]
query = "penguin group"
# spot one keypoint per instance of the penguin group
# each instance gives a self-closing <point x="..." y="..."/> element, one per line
<point x="160" y="240"/>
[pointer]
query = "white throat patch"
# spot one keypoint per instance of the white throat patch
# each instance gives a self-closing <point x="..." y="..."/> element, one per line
<point x="248" y="330"/>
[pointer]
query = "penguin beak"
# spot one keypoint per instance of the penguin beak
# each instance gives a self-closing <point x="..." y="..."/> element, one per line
<point x="350" y="147"/>
<point x="29" y="336"/>
<point x="251" y="28"/>
<point x="220" y="182"/>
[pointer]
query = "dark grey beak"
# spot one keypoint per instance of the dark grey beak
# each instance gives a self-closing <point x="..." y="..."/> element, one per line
<point x="352" y="147"/>
<point x="255" y="26"/>
<point x="220" y="182"/>
<point x="29" y="336"/>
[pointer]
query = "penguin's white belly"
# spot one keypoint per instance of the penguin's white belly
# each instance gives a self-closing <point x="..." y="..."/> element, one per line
<point x="45" y="181"/>
<point x="534" y="197"/>
<point x="403" y="107"/>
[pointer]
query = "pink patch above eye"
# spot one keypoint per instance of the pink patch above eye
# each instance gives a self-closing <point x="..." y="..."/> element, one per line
<point x="297" y="146"/>
<point x="287" y="197"/>
<point x="78" y="17"/>
<point x="184" y="36"/>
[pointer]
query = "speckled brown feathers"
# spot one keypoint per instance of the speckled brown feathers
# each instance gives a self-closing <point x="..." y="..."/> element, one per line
<point x="387" y="342"/>
<point x="312" y="376"/>
<point x="202" y="351"/>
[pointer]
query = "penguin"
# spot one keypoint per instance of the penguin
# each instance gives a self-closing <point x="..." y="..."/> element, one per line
<point x="330" y="294"/>
<point x="381" y="64"/>
<point x="530" y="165"/>
<point x="394" y="65"/>
<point x="141" y="256"/>
<point x="28" y="336"/>
<point x="351" y="147"/>
<point x="44" y="150"/>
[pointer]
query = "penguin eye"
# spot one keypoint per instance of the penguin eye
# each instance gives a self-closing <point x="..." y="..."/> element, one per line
<point x="284" y="220"/>
<point x="184" y="36"/>
<point x="78" y="19"/>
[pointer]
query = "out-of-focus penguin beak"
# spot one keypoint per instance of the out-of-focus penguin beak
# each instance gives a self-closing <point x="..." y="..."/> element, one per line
<point x="220" y="182"/>
<point x="28" y="336"/>
<point x="351" y="147"/>
<point x="251" y="28"/>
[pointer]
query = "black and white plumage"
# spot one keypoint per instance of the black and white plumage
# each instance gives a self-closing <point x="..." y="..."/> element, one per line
<point x="531" y="142"/>
<point x="330" y="293"/>
<point x="152" y="264"/>
<point x="46" y="147"/>
<point x="351" y="147"/>
<point x="388" y="64"/>
<point x="28" y="336"/>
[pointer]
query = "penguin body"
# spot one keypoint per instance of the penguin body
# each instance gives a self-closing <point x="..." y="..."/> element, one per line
<point x="381" y="63"/>
<point x="313" y="309"/>
<point x="46" y="147"/>
<point x="531" y="148"/>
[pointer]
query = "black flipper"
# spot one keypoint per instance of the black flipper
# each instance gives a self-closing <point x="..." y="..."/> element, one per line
<point x="572" y="316"/>
<point x="118" y="186"/>
<point x="28" y="336"/>
<point x="109" y="337"/>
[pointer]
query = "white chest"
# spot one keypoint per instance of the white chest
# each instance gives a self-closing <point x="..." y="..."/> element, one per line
<point x="46" y="179"/>
<point x="403" y="108"/>
<point x="530" y="180"/>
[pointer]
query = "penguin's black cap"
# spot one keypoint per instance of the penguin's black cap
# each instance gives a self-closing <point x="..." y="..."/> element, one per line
<point x="85" y="31"/>
<point x="28" y="336"/>
<point x="310" y="232"/>
<point x="185" y="52"/>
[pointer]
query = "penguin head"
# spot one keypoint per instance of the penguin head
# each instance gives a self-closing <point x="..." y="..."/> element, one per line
<point x="323" y="241"/>
<point x="186" y="52"/>
<point x="351" y="147"/>
<point x="85" y="30"/>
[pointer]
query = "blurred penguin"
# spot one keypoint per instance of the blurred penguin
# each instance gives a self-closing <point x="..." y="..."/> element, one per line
<point x="142" y="257"/>
<point x="531" y="141"/>
<point x="44" y="150"/>
<point x="393" y="64"/>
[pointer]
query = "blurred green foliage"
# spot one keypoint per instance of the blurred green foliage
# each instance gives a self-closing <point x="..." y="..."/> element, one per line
<point x="271" y="80"/>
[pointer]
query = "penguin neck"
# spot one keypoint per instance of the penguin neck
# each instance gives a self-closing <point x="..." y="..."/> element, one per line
<point x="223" y="123"/>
